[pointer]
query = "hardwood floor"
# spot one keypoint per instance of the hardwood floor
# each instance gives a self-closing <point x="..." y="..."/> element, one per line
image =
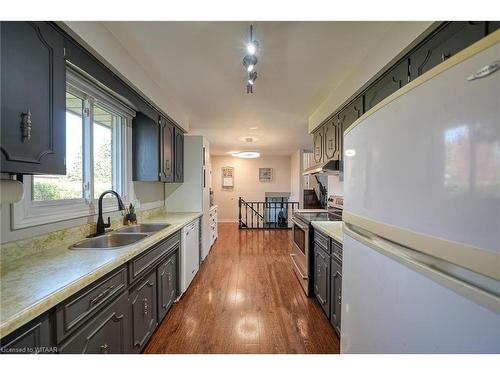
<point x="246" y="299"/>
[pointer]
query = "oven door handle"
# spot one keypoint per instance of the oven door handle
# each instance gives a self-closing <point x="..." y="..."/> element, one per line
<point x="297" y="267"/>
<point x="299" y="225"/>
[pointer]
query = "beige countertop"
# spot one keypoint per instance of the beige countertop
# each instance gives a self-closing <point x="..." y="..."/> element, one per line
<point x="33" y="284"/>
<point x="334" y="229"/>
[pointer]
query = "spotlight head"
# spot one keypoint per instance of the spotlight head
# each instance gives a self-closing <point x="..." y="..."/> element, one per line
<point x="249" y="62"/>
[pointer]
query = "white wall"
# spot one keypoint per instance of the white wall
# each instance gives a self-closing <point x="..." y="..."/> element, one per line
<point x="246" y="181"/>
<point x="296" y="179"/>
<point x="335" y="185"/>
<point x="101" y="41"/>
<point x="397" y="39"/>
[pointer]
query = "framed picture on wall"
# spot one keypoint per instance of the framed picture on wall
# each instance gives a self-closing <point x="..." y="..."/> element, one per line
<point x="265" y="174"/>
<point x="227" y="177"/>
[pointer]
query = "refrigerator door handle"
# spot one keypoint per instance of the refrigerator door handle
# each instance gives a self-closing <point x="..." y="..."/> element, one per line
<point x="477" y="287"/>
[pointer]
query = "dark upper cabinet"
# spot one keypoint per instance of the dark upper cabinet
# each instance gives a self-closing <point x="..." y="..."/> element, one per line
<point x="492" y="26"/>
<point x="156" y="146"/>
<point x="167" y="285"/>
<point x="336" y="294"/>
<point x="33" y="84"/>
<point x="146" y="149"/>
<point x="450" y="39"/>
<point x="167" y="136"/>
<point x="390" y="82"/>
<point x="322" y="278"/>
<point x="333" y="136"/>
<point x="350" y="113"/>
<point x="318" y="145"/>
<point x="179" y="155"/>
<point x="143" y="311"/>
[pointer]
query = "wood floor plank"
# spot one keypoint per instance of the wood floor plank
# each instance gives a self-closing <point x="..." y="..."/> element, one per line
<point x="246" y="299"/>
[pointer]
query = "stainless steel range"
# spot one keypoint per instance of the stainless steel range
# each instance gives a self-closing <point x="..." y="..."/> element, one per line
<point x="303" y="237"/>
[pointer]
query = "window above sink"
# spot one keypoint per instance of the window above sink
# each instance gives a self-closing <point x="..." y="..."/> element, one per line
<point x="98" y="133"/>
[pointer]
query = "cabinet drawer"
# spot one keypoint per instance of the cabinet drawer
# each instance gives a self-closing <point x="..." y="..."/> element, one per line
<point x="81" y="306"/>
<point x="107" y="333"/>
<point x="138" y="266"/>
<point x="322" y="240"/>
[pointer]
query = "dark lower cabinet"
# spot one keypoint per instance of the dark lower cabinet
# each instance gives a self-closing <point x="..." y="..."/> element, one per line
<point x="106" y="333"/>
<point x="322" y="278"/>
<point x="34" y="338"/>
<point x="143" y="311"/>
<point x="336" y="293"/>
<point x="167" y="284"/>
<point x="33" y="106"/>
<point x="179" y="155"/>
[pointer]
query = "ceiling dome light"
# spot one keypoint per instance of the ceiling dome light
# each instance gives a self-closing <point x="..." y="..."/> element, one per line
<point x="248" y="154"/>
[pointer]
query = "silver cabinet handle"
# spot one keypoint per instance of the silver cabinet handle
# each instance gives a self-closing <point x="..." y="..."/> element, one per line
<point x="26" y="125"/>
<point x="145" y="306"/>
<point x="485" y="71"/>
<point x="101" y="295"/>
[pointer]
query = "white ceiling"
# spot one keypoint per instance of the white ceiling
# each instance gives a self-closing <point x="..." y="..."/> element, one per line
<point x="201" y="64"/>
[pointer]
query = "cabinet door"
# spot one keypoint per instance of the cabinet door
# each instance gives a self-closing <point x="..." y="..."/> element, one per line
<point x="34" y="338"/>
<point x="33" y="84"/>
<point x="332" y="140"/>
<point x="179" y="156"/>
<point x="390" y="82"/>
<point x="336" y="295"/>
<point x="350" y="113"/>
<point x="146" y="149"/>
<point x="144" y="313"/>
<point x="449" y="40"/>
<point x="322" y="278"/>
<point x="318" y="145"/>
<point x="108" y="332"/>
<point x="167" y="285"/>
<point x="168" y="150"/>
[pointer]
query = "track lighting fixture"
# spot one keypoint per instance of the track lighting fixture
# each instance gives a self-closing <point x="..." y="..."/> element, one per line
<point x="250" y="60"/>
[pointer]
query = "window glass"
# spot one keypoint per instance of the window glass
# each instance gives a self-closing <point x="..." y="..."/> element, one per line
<point x="105" y="124"/>
<point x="70" y="186"/>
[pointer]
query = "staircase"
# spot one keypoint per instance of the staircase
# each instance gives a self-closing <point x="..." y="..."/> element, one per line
<point x="311" y="199"/>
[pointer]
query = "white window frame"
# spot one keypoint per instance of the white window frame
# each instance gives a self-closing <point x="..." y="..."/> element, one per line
<point x="27" y="212"/>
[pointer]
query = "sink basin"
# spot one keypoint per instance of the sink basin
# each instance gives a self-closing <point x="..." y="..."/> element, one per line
<point x="142" y="228"/>
<point x="109" y="241"/>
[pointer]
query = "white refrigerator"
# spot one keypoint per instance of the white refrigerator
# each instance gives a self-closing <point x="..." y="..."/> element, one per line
<point x="421" y="255"/>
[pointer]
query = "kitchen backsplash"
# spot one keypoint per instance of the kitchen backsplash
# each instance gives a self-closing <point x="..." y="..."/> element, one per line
<point x="33" y="245"/>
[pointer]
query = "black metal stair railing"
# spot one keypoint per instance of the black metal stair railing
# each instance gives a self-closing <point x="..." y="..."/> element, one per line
<point x="266" y="215"/>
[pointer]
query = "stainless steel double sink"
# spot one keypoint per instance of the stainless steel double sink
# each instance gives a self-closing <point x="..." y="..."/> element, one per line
<point x="119" y="238"/>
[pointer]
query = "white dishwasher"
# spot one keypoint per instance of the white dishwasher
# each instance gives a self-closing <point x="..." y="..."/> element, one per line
<point x="190" y="253"/>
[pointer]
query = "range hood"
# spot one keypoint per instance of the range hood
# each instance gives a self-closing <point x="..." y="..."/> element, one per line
<point x="330" y="167"/>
